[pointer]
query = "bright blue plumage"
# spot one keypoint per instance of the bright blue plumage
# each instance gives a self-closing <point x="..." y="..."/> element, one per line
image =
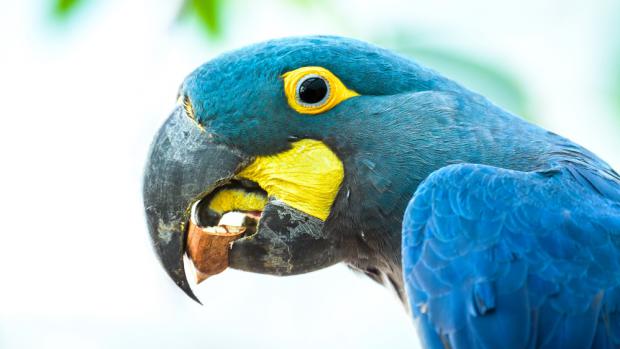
<point x="511" y="240"/>
<point x="519" y="251"/>
<point x="496" y="258"/>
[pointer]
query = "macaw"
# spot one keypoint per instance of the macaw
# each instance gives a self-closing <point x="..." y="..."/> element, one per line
<point x="494" y="232"/>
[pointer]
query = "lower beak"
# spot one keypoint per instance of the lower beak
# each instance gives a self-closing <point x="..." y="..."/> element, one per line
<point x="182" y="165"/>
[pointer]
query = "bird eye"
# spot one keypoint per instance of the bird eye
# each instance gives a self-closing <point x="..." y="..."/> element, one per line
<point x="314" y="90"/>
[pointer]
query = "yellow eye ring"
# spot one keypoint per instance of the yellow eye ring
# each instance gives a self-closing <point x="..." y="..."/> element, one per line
<point x="332" y="90"/>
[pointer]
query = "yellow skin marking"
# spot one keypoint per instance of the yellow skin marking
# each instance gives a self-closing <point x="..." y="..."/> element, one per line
<point x="338" y="92"/>
<point x="306" y="177"/>
<point x="227" y="200"/>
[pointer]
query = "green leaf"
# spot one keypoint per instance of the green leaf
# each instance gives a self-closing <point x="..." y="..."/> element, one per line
<point x="63" y="8"/>
<point x="208" y="13"/>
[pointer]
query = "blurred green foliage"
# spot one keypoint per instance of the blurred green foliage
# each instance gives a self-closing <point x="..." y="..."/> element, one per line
<point x="493" y="82"/>
<point x="475" y="73"/>
<point x="63" y="8"/>
<point x="208" y="12"/>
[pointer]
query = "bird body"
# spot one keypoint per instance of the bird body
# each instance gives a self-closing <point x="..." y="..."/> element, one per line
<point x="494" y="231"/>
<point x="503" y="258"/>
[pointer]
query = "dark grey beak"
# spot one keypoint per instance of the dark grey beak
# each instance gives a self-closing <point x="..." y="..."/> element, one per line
<point x="182" y="165"/>
<point x="288" y="242"/>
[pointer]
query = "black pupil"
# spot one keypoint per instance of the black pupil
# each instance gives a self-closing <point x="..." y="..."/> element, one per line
<point x="312" y="90"/>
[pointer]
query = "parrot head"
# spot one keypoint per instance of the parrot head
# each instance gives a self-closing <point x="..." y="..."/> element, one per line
<point x="320" y="141"/>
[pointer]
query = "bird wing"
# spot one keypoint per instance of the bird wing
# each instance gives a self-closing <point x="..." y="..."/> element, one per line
<point x="496" y="258"/>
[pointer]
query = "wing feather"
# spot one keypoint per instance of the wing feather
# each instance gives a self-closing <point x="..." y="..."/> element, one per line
<point x="495" y="258"/>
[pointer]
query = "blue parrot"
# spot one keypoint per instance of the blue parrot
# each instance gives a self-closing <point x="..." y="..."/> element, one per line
<point x="494" y="232"/>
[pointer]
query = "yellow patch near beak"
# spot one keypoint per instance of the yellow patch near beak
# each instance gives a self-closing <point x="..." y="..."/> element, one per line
<point x="227" y="200"/>
<point x="306" y="177"/>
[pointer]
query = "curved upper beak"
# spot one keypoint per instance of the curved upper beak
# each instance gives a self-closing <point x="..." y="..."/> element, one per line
<point x="182" y="165"/>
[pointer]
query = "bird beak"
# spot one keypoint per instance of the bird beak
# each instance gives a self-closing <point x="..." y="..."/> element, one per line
<point x="185" y="171"/>
<point x="182" y="165"/>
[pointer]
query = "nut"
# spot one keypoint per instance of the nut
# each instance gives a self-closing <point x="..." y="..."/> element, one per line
<point x="208" y="248"/>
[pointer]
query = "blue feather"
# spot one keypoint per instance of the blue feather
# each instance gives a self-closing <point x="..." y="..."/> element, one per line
<point x="521" y="252"/>
<point x="513" y="259"/>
